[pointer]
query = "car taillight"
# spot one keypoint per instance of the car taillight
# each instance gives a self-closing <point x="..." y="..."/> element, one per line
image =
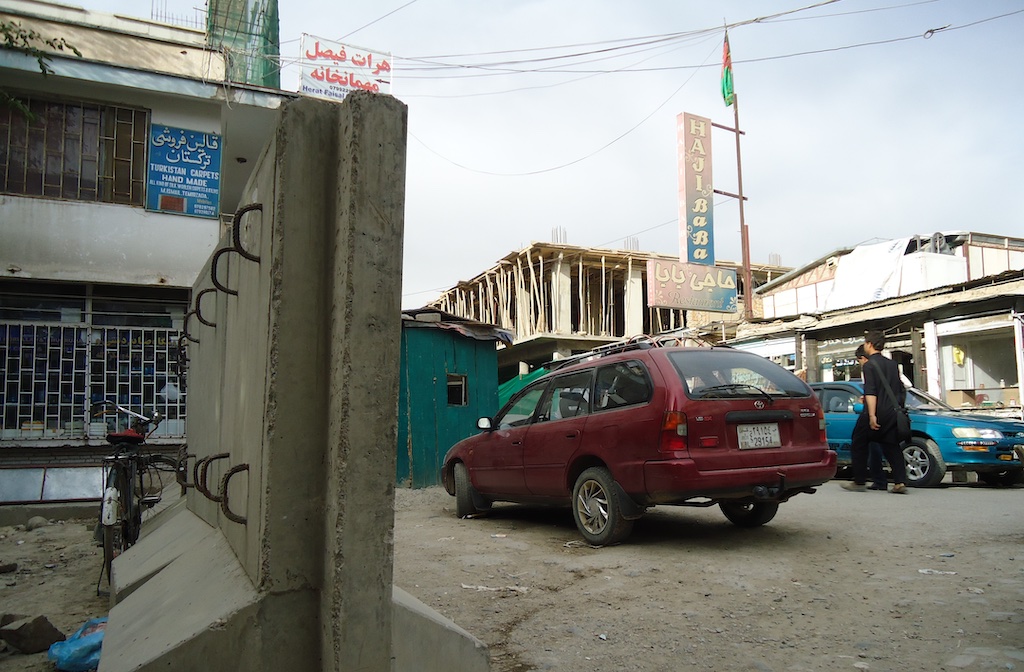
<point x="822" y="435"/>
<point x="673" y="432"/>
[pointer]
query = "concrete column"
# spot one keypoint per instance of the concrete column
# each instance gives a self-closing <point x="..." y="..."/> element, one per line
<point x="561" y="297"/>
<point x="524" y="324"/>
<point x="917" y="348"/>
<point x="364" y="336"/>
<point x="634" y="302"/>
<point x="813" y="368"/>
<point x="932" y="361"/>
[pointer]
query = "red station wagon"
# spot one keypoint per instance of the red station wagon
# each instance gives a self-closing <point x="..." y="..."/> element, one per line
<point x="627" y="427"/>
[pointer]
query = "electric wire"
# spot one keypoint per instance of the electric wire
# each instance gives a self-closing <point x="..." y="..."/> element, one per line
<point x="632" y="45"/>
<point x="577" y="160"/>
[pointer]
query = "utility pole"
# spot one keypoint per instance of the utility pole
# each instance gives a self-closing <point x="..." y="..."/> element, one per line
<point x="748" y="283"/>
<point x="730" y="98"/>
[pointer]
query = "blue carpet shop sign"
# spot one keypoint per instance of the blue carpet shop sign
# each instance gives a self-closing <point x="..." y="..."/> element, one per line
<point x="184" y="172"/>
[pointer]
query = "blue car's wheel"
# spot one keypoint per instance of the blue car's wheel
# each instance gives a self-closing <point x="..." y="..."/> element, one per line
<point x="925" y="466"/>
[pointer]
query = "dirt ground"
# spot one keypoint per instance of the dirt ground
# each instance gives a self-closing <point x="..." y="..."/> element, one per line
<point x="866" y="581"/>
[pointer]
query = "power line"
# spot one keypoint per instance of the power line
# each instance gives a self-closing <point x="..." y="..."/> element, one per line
<point x="376" y="20"/>
<point x="632" y="43"/>
<point x="582" y="158"/>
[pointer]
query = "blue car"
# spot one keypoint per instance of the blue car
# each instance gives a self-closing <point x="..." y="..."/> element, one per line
<point x="944" y="438"/>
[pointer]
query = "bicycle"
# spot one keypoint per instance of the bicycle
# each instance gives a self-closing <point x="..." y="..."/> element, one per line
<point x="132" y="482"/>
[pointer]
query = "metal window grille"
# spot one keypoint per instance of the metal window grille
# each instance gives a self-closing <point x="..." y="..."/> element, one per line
<point x="43" y="374"/>
<point x="76" y="151"/>
<point x="51" y="375"/>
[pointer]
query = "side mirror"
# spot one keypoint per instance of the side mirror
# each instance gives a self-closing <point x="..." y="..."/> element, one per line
<point x="484" y="424"/>
<point x="858" y="408"/>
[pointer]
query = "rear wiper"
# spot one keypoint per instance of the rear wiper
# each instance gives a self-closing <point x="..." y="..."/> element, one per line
<point x="728" y="387"/>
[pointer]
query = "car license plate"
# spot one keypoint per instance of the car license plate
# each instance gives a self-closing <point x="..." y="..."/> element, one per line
<point x="765" y="435"/>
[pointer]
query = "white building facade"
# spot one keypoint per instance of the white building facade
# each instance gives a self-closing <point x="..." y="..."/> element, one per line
<point x="951" y="305"/>
<point x="114" y="189"/>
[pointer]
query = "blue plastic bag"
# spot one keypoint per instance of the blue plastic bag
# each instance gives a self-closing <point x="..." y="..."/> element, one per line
<point x="81" y="651"/>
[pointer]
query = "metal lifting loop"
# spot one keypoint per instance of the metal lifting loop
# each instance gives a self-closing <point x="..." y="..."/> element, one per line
<point x="195" y="473"/>
<point x="224" y="493"/>
<point x="181" y="363"/>
<point x="184" y="329"/>
<point x="213" y="271"/>
<point x="199" y="314"/>
<point x="201" y="485"/>
<point x="181" y="474"/>
<point x="236" y="234"/>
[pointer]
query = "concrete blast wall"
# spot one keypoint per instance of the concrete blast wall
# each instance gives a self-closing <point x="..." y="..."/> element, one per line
<point x="281" y="557"/>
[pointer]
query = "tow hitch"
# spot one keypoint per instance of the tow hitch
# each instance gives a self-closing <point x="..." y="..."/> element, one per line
<point x="771" y="492"/>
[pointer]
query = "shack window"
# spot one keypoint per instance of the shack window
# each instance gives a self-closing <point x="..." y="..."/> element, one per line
<point x="457" y="392"/>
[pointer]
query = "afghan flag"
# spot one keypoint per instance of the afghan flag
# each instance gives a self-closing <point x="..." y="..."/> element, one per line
<point x="727" y="93"/>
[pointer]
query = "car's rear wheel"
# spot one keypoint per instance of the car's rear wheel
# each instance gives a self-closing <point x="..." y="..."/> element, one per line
<point x="750" y="514"/>
<point x="597" y="510"/>
<point x="925" y="466"/>
<point x="467" y="501"/>
<point x="1008" y="477"/>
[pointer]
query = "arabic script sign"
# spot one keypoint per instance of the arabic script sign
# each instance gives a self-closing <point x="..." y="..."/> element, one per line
<point x="672" y="284"/>
<point x="331" y="69"/>
<point x="696" y="197"/>
<point x="184" y="172"/>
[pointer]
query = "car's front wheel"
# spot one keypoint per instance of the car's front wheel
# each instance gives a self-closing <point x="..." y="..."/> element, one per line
<point x="467" y="501"/>
<point x="750" y="514"/>
<point x="925" y="466"/>
<point x="597" y="510"/>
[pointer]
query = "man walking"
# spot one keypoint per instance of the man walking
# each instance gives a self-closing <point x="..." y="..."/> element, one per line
<point x="875" y="455"/>
<point x="878" y="421"/>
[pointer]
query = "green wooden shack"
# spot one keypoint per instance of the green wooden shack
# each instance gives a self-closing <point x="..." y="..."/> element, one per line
<point x="449" y="379"/>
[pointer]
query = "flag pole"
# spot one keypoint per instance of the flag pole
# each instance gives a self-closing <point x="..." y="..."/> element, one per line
<point x="748" y="284"/>
<point x="730" y="97"/>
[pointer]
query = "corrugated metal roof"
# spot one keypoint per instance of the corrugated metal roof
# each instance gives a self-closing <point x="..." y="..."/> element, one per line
<point x="1008" y="284"/>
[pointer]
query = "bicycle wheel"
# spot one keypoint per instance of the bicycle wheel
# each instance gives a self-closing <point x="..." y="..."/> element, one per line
<point x="112" y="515"/>
<point x="133" y="504"/>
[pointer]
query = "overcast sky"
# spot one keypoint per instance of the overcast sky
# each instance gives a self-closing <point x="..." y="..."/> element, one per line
<point x="864" y="120"/>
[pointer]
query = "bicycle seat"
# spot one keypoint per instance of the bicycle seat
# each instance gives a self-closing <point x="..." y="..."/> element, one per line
<point x="127" y="436"/>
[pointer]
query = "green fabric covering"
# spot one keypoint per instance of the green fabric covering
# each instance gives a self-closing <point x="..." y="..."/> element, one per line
<point x="510" y="387"/>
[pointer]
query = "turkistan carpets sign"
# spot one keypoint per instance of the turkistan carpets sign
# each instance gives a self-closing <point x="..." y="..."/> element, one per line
<point x="184" y="172"/>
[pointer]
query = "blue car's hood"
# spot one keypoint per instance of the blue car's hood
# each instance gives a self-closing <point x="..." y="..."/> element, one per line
<point x="1004" y="425"/>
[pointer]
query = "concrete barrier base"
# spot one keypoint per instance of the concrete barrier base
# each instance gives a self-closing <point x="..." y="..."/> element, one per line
<point x="182" y="601"/>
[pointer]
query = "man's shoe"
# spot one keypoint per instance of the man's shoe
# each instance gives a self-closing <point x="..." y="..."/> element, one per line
<point x="899" y="489"/>
<point x="854" y="487"/>
<point x="878" y="486"/>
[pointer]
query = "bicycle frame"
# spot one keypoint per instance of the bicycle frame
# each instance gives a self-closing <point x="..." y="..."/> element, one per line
<point x="124" y="486"/>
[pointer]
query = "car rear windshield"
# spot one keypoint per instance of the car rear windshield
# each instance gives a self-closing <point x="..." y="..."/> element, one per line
<point x="728" y="374"/>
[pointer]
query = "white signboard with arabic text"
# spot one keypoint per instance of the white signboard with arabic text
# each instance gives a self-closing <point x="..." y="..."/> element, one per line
<point x="332" y="69"/>
<point x="672" y="284"/>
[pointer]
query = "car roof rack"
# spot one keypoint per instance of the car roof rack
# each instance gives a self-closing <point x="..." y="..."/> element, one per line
<point x="641" y="342"/>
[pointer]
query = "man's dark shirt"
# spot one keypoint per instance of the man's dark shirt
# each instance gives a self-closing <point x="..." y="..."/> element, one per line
<point x="873" y="385"/>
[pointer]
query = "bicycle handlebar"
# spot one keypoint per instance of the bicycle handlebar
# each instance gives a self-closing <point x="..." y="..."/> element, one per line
<point x="155" y="420"/>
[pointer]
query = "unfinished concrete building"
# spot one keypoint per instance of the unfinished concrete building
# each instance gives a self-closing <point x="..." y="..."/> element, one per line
<point x="563" y="299"/>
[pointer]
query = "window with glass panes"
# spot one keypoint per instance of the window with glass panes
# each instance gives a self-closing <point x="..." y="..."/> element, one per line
<point x="74" y="150"/>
